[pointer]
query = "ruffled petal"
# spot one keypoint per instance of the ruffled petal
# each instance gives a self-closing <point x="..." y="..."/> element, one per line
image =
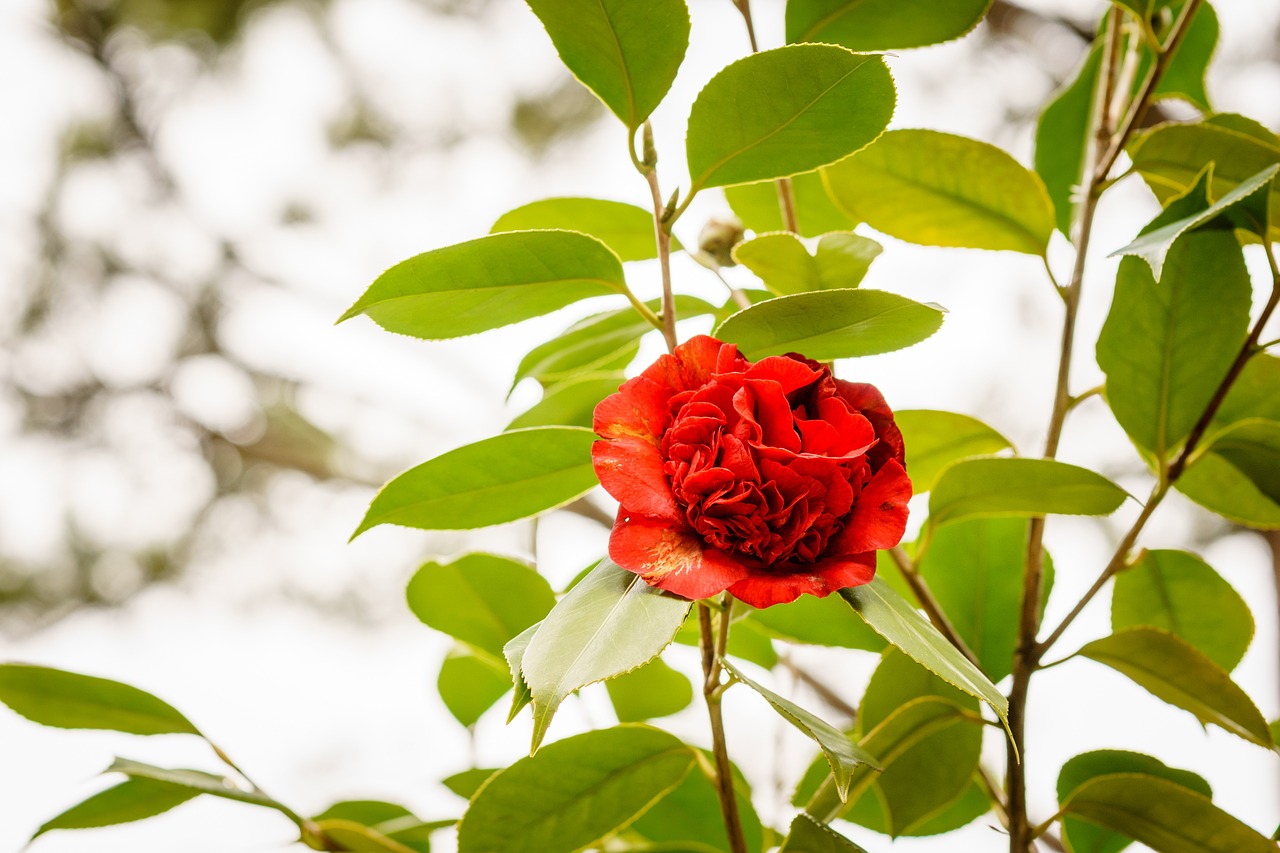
<point x="867" y="399"/>
<point x="766" y="588"/>
<point x="631" y="470"/>
<point x="673" y="559"/>
<point x="879" y="516"/>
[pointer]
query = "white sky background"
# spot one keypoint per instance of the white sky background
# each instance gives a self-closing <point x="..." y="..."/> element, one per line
<point x="319" y="707"/>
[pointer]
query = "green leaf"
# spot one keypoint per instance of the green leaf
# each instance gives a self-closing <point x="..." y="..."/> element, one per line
<point x="882" y="24"/>
<point x="466" y="783"/>
<point x="1022" y="487"/>
<point x="974" y="569"/>
<point x="481" y="599"/>
<point x="1180" y="593"/>
<point x="470" y="683"/>
<point x="842" y="753"/>
<point x="758" y="207"/>
<point x="1252" y="445"/>
<point x="843" y="258"/>
<point x="610" y="623"/>
<point x="831" y="324"/>
<point x="1084" y="836"/>
<point x="624" y="228"/>
<point x="1216" y="484"/>
<point x="571" y="402"/>
<point x="1061" y="139"/>
<point x="133" y="799"/>
<point x="938" y="189"/>
<point x="808" y="836"/>
<point x="359" y="838"/>
<point x="691" y="814"/>
<point x="391" y="821"/>
<point x="514" y="654"/>
<point x="786" y="267"/>
<point x="1244" y="207"/>
<point x="937" y="439"/>
<point x="197" y="781"/>
<point x="1176" y="672"/>
<point x="574" y="792"/>
<point x="786" y="111"/>
<point x="1184" y="78"/>
<point x="898" y="622"/>
<point x="504" y="478"/>
<point x="653" y="690"/>
<point x="1163" y="815"/>
<point x="817" y="621"/>
<point x="68" y="700"/>
<point x="1245" y="125"/>
<point x="1166" y="346"/>
<point x="490" y="282"/>
<point x="627" y="53"/>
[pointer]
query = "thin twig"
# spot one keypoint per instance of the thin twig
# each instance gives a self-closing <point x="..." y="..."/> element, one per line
<point x="712" y="650"/>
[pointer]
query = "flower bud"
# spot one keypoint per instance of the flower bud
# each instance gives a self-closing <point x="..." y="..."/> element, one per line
<point x="717" y="239"/>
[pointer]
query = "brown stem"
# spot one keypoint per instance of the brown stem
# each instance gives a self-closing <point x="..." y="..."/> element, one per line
<point x="744" y="8"/>
<point x="662" y="234"/>
<point x="712" y="646"/>
<point x="932" y="608"/>
<point x="787" y="203"/>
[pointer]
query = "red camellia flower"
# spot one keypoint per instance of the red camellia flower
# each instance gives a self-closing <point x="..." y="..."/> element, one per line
<point x="769" y="479"/>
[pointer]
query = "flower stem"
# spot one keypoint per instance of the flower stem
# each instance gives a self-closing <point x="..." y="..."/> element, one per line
<point x="712" y="645"/>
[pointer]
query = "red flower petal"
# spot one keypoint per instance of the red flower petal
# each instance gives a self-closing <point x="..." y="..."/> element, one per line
<point x="867" y="399"/>
<point x="630" y="469"/>
<point x="879" y="517"/>
<point x="671" y="559"/>
<point x="765" y="588"/>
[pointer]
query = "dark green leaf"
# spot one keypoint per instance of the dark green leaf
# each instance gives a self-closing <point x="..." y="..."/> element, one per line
<point x="389" y="820"/>
<point x="627" y="53"/>
<point x="1183" y="595"/>
<point x="359" y="838"/>
<point x="68" y="700"/>
<point x="574" y="792"/>
<point x="610" y="623"/>
<point x="197" y="781"/>
<point x="831" y="324"/>
<point x="758" y="207"/>
<point x="995" y="487"/>
<point x="691" y="814"/>
<point x="808" y="836"/>
<point x="504" y="478"/>
<point x="624" y="228"/>
<point x="653" y="690"/>
<point x="786" y="111"/>
<point x="938" y="189"/>
<point x="818" y="621"/>
<point x="934" y="440"/>
<point x="1252" y="445"/>
<point x="1176" y="672"/>
<point x="470" y="683"/>
<point x="571" y="402"/>
<point x="1163" y="815"/>
<point x="882" y="24"/>
<point x="1184" y="78"/>
<point x="490" y="282"/>
<point x="133" y="799"/>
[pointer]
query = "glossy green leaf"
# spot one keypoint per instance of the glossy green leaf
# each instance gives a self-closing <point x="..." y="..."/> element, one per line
<point x="1252" y="446"/>
<point x="610" y="623"/>
<point x="786" y="111"/>
<point x="514" y="654"/>
<point x="466" y="783"/>
<point x="758" y="206"/>
<point x="133" y="799"/>
<point x="653" y="690"/>
<point x="1034" y="487"/>
<point x="69" y="700"/>
<point x="504" y="478"/>
<point x="935" y="440"/>
<point x="571" y="402"/>
<point x="574" y="792"/>
<point x="193" y="780"/>
<point x="1086" y="837"/>
<point x="842" y="753"/>
<point x="490" y="282"/>
<point x="806" y="835"/>
<point x="627" y="53"/>
<point x="786" y="267"/>
<point x="1166" y="346"/>
<point x="974" y="569"/>
<point x="481" y="599"/>
<point x="817" y="621"/>
<point x="391" y="821"/>
<point x="691" y="815"/>
<point x="1176" y="672"/>
<point x="1216" y="484"/>
<point x="1180" y="593"/>
<point x="938" y="189"/>
<point x="1163" y="815"/>
<point x="470" y="683"/>
<point x="831" y="324"/>
<point x="359" y="838"/>
<point x="882" y="24"/>
<point x="893" y="618"/>
<point x="624" y="228"/>
<point x="1062" y="137"/>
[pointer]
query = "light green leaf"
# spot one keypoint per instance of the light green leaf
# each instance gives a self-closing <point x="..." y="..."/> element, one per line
<point x="843" y="258"/>
<point x="817" y="621"/>
<point x="610" y="623"/>
<point x="193" y="780"/>
<point x="882" y="24"/>
<point x="1061" y="139"/>
<point x="898" y="622"/>
<point x="786" y="267"/>
<point x="571" y="402"/>
<point x="1180" y="593"/>
<point x="133" y="799"/>
<point x="504" y="478"/>
<point x="490" y="282"/>
<point x="653" y="690"/>
<point x="574" y="792"/>
<point x="359" y="838"/>
<point x="1245" y="125"/>
<point x="831" y="324"/>
<point x="690" y="815"/>
<point x="786" y="111"/>
<point x="1217" y="485"/>
<point x="466" y="783"/>
<point x="934" y="440"/>
<point x="69" y="700"/>
<point x="1024" y="487"/>
<point x="1252" y="446"/>
<point x="624" y="228"/>
<point x="1085" y="836"/>
<point x="1163" y="815"/>
<point x="627" y="53"/>
<point x="758" y="206"/>
<point x="842" y="753"/>
<point x="470" y="683"/>
<point x="808" y="836"/>
<point x="514" y="654"/>
<point x="1176" y="672"/>
<point x="1166" y="346"/>
<point x="938" y="189"/>
<point x="481" y="599"/>
<point x="389" y="820"/>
